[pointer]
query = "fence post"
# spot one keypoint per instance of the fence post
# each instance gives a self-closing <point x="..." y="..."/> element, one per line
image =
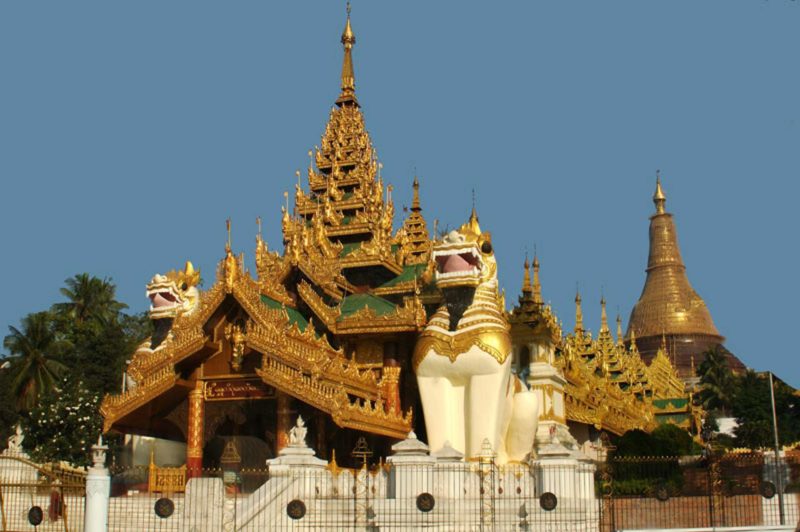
<point x="98" y="490"/>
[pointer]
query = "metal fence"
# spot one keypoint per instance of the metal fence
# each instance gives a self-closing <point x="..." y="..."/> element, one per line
<point x="450" y="496"/>
<point x="40" y="497"/>
<point x="734" y="490"/>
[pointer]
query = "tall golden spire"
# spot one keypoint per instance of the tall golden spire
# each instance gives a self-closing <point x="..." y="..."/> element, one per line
<point x="415" y="207"/>
<point x="348" y="95"/>
<point x="620" y="337"/>
<point x="526" y="277"/>
<point x="603" y="315"/>
<point x="578" y="314"/>
<point x="537" y="286"/>
<point x="659" y="198"/>
<point x="416" y="231"/>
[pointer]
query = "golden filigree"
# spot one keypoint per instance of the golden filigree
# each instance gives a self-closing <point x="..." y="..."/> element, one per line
<point x="496" y="343"/>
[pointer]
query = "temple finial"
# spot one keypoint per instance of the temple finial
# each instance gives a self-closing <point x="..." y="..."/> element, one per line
<point x="348" y="95"/>
<point x="619" y="330"/>
<point x="473" y="223"/>
<point x="526" y="277"/>
<point x="228" y="243"/>
<point x="578" y="314"/>
<point x="537" y="286"/>
<point x="603" y="314"/>
<point x="415" y="201"/>
<point x="659" y="198"/>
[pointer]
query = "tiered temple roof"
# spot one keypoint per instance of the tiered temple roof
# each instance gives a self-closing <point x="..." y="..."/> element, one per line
<point x="329" y="321"/>
<point x="608" y="384"/>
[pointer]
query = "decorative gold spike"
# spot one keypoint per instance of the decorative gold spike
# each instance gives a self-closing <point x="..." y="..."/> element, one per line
<point x="603" y="315"/>
<point x="537" y="286"/>
<point x="228" y="243"/>
<point x="415" y="202"/>
<point x="659" y="198"/>
<point x="578" y="314"/>
<point x="526" y="277"/>
<point x="348" y="95"/>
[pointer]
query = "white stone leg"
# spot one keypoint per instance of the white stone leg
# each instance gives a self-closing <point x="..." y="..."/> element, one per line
<point x="486" y="397"/>
<point x="443" y="405"/>
<point x="522" y="428"/>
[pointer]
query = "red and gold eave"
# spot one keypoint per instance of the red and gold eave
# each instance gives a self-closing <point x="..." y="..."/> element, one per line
<point x="274" y="351"/>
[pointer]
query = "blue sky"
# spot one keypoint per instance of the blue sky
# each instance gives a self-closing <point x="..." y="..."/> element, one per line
<point x="130" y="131"/>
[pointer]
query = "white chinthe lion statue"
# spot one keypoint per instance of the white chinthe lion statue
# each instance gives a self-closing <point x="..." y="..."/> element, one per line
<point x="463" y="357"/>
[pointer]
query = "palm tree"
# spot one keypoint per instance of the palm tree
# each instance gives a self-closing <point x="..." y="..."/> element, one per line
<point x="716" y="382"/>
<point x="35" y="363"/>
<point x="90" y="298"/>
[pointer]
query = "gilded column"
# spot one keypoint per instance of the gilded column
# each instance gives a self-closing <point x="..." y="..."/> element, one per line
<point x="284" y="421"/>
<point x="194" y="439"/>
<point x="391" y="389"/>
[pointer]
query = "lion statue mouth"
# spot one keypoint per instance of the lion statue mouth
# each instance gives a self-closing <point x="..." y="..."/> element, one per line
<point x="458" y="262"/>
<point x="174" y="293"/>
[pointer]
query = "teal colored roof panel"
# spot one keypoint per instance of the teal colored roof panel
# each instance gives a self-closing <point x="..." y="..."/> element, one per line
<point x="354" y="303"/>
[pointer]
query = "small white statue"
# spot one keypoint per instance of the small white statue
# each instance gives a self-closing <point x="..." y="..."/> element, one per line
<point x="15" y="441"/>
<point x="297" y="435"/>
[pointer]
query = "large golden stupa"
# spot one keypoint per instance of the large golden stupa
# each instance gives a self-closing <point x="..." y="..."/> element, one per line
<point x="669" y="311"/>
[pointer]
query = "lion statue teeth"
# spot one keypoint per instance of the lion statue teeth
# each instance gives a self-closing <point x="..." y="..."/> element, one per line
<point x="463" y="356"/>
<point x="173" y="294"/>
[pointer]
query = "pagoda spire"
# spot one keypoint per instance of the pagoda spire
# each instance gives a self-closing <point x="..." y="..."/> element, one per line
<point x="603" y="315"/>
<point x="620" y="337"/>
<point x="659" y="198"/>
<point x="526" y="277"/>
<point x="416" y="241"/>
<point x="578" y="314"/>
<point x="537" y="286"/>
<point x="415" y="205"/>
<point x="348" y="95"/>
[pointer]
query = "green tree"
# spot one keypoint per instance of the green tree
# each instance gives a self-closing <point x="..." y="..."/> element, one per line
<point x="9" y="416"/>
<point x="752" y="407"/>
<point x="36" y="363"/>
<point x="716" y="382"/>
<point x="100" y="334"/>
<point x="90" y="299"/>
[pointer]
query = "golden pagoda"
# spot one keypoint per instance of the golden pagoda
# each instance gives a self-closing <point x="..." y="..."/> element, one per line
<point x="669" y="308"/>
<point x="606" y="384"/>
<point x="325" y="328"/>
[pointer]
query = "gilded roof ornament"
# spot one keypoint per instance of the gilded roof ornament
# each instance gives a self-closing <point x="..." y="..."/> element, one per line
<point x="348" y="95"/>
<point x="526" y="276"/>
<point x="578" y="314"/>
<point x="659" y="198"/>
<point x="537" y="285"/>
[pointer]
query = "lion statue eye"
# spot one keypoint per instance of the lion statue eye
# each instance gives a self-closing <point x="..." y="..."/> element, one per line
<point x="486" y="248"/>
<point x="184" y="286"/>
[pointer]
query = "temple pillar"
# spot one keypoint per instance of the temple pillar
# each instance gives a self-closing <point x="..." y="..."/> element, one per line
<point x="390" y="378"/>
<point x="547" y="382"/>
<point x="194" y="438"/>
<point x="284" y="419"/>
<point x="391" y="389"/>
